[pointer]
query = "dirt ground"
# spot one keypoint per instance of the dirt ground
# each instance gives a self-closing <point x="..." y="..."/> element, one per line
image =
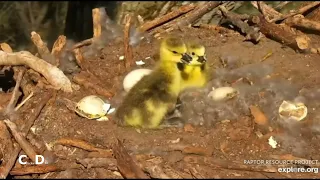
<point x="231" y="140"/>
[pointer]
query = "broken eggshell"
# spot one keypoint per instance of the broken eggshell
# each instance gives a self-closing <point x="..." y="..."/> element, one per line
<point x="222" y="93"/>
<point x="297" y="111"/>
<point x="93" y="107"/>
<point x="133" y="77"/>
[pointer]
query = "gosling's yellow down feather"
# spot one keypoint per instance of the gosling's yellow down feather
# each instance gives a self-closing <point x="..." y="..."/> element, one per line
<point x="194" y="74"/>
<point x="149" y="100"/>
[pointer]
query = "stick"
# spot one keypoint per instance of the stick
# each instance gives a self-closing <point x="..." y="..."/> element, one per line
<point x="96" y="16"/>
<point x="58" y="45"/>
<point x="15" y="95"/>
<point x="42" y="48"/>
<point x="127" y="47"/>
<point x="42" y="169"/>
<point x="300" y="21"/>
<point x="126" y="164"/>
<point x="189" y="18"/>
<point x="82" y="144"/>
<point x="6" y="47"/>
<point x="86" y="42"/>
<point x="167" y="17"/>
<point x="300" y="11"/>
<point x="23" y="102"/>
<point x="266" y="10"/>
<point x="214" y="27"/>
<point x="282" y="35"/>
<point x="83" y="78"/>
<point x="4" y="171"/>
<point x="53" y="74"/>
<point x="251" y="33"/>
<point x="6" y="144"/>
<point x="79" y="58"/>
<point x="24" y="144"/>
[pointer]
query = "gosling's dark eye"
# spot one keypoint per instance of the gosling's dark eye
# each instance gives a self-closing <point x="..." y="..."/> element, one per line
<point x="193" y="53"/>
<point x="175" y="52"/>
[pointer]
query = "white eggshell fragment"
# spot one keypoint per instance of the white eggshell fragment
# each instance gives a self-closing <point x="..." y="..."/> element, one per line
<point x="91" y="104"/>
<point x="291" y="110"/>
<point x="133" y="77"/>
<point x="273" y="143"/>
<point x="139" y="63"/>
<point x="221" y="93"/>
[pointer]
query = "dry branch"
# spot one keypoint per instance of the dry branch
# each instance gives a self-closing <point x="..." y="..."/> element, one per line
<point x="300" y="11"/>
<point x="24" y="144"/>
<point x="4" y="171"/>
<point x="214" y="27"/>
<point x="6" y="144"/>
<point x="16" y="94"/>
<point x="86" y="42"/>
<point x="167" y="17"/>
<point x="79" y="58"/>
<point x="266" y="10"/>
<point x="42" y="169"/>
<point x="58" y="45"/>
<point x="126" y="164"/>
<point x="83" y="78"/>
<point x="53" y="74"/>
<point x="39" y="169"/>
<point x="82" y="144"/>
<point x="251" y="33"/>
<point x="6" y="48"/>
<point x="282" y="35"/>
<point x="300" y="21"/>
<point x="189" y="18"/>
<point x="42" y="48"/>
<point x="128" y="55"/>
<point x="23" y="102"/>
<point x="96" y="16"/>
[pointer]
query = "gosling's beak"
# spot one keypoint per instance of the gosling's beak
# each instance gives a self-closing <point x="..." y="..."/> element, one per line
<point x="186" y="58"/>
<point x="202" y="59"/>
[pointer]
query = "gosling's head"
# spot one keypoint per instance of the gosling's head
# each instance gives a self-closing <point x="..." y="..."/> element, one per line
<point x="174" y="49"/>
<point x="197" y="52"/>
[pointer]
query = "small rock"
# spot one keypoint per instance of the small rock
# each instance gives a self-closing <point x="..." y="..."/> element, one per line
<point x="189" y="128"/>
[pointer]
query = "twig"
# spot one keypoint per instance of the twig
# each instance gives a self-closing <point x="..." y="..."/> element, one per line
<point x="127" y="47"/>
<point x="42" y="169"/>
<point x="165" y="18"/>
<point x="15" y="94"/>
<point x="53" y="74"/>
<point x="42" y="48"/>
<point x="251" y="33"/>
<point x="300" y="21"/>
<point x="4" y="171"/>
<point x="282" y="34"/>
<point x="126" y="164"/>
<point x="281" y="5"/>
<point x="6" y="47"/>
<point x="79" y="58"/>
<point x="188" y="18"/>
<point x="96" y="16"/>
<point x="58" y="45"/>
<point x="39" y="169"/>
<point x="82" y="144"/>
<point x="300" y="11"/>
<point x="83" y="78"/>
<point x="6" y="144"/>
<point x="267" y="11"/>
<point x="23" y="102"/>
<point x="214" y="27"/>
<point x="195" y="173"/>
<point x="86" y="42"/>
<point x="24" y="144"/>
